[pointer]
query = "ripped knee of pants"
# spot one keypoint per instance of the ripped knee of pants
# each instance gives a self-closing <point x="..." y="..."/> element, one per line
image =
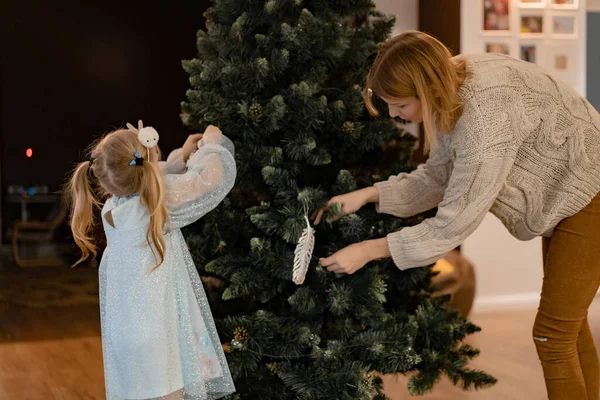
<point x="559" y="332"/>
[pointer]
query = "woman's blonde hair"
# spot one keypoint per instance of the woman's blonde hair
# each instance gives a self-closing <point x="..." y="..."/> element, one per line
<point x="414" y="64"/>
<point x="110" y="164"/>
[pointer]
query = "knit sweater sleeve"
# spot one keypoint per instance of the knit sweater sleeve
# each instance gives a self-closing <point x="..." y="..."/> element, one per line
<point x="486" y="149"/>
<point x="409" y="194"/>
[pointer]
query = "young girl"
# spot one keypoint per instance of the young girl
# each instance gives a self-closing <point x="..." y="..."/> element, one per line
<point x="509" y="138"/>
<point x="158" y="336"/>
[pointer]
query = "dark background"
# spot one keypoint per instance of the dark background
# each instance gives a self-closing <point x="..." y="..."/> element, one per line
<point x="73" y="70"/>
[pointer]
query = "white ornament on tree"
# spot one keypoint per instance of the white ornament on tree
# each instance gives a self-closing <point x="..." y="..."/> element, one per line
<point x="303" y="253"/>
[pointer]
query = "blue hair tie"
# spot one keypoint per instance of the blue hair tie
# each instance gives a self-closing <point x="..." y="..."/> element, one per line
<point x="139" y="161"/>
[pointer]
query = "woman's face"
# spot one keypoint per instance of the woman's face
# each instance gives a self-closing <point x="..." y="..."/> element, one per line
<point x="407" y="108"/>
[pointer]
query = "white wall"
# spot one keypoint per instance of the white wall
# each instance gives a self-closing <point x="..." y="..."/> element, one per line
<point x="593" y="5"/>
<point x="407" y="18"/>
<point x="509" y="272"/>
<point x="406" y="12"/>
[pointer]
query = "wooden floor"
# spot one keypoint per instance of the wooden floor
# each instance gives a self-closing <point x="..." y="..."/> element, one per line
<point x="48" y="354"/>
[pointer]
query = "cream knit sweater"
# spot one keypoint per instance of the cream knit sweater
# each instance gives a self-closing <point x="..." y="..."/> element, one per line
<point x="526" y="148"/>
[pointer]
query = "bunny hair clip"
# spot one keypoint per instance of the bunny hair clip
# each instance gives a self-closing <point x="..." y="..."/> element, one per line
<point x="148" y="136"/>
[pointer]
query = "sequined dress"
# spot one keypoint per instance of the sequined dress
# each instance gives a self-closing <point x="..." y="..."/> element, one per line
<point x="159" y="339"/>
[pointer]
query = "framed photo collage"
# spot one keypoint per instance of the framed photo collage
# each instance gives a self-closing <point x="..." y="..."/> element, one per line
<point x="546" y="32"/>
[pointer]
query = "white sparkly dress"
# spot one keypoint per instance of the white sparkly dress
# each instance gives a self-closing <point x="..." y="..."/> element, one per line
<point x="159" y="339"/>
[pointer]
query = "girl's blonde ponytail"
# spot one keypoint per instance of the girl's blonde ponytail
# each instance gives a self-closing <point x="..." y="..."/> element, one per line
<point x="152" y="194"/>
<point x="118" y="172"/>
<point x="83" y="204"/>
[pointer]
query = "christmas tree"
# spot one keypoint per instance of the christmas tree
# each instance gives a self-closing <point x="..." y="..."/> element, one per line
<point x="283" y="79"/>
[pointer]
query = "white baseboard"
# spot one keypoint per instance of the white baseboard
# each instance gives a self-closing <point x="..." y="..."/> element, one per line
<point x="507" y="302"/>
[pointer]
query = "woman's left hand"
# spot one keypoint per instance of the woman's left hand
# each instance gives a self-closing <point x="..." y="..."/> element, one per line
<point x="348" y="260"/>
<point x="352" y="258"/>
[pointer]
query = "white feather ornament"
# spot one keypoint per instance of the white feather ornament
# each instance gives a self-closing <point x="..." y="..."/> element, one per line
<point x="303" y="253"/>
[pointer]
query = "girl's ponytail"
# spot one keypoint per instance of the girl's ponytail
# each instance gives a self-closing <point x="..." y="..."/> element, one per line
<point x="83" y="204"/>
<point x="152" y="194"/>
<point x="119" y="175"/>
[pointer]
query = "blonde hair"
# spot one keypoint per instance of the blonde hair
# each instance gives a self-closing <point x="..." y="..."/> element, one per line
<point x="414" y="64"/>
<point x="111" y="158"/>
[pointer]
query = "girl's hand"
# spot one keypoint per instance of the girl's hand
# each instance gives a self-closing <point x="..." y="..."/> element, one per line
<point x="212" y="134"/>
<point x="350" y="202"/>
<point x="190" y="145"/>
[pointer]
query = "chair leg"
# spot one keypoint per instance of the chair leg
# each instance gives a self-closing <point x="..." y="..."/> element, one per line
<point x="15" y="250"/>
<point x="33" y="262"/>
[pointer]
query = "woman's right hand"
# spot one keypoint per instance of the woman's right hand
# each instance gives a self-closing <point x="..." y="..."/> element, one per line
<point x="350" y="202"/>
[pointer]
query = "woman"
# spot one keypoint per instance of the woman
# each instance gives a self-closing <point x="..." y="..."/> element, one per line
<point x="505" y="137"/>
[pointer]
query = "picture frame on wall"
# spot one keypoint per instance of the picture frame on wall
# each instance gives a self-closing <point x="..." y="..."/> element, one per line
<point x="532" y="3"/>
<point x="497" y="47"/>
<point x="496" y="17"/>
<point x="565" y="4"/>
<point x="528" y="52"/>
<point x="564" y="26"/>
<point x="531" y="25"/>
<point x="563" y="62"/>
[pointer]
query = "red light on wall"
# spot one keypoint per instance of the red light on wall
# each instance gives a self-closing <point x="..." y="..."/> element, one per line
<point x="29" y="153"/>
